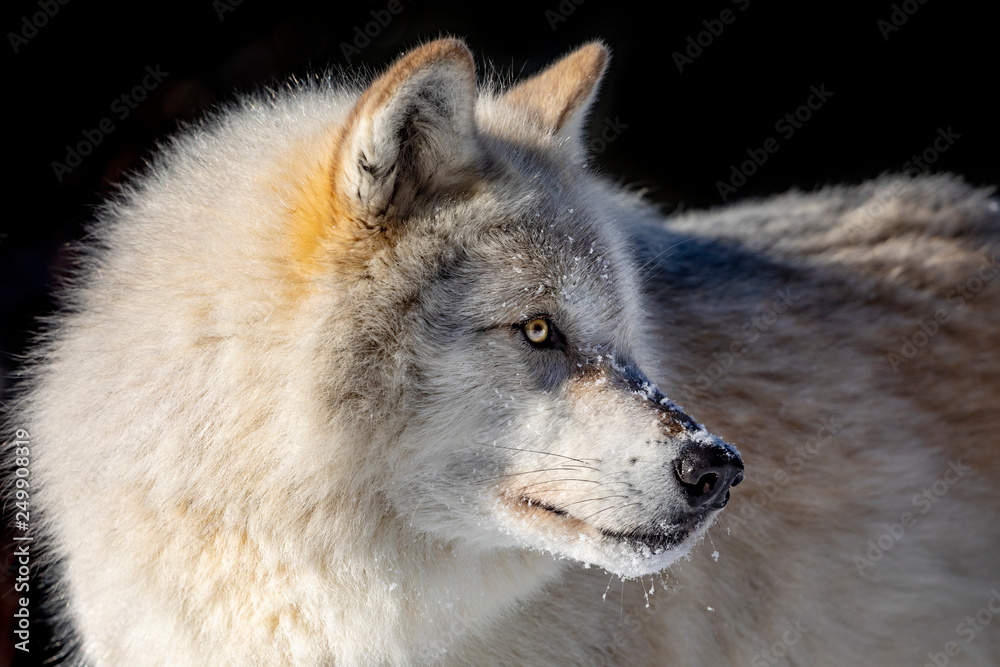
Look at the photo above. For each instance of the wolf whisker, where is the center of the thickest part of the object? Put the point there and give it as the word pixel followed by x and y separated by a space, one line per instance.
pixel 564 479
pixel 509 475
pixel 655 258
pixel 535 451
pixel 589 500
pixel 613 507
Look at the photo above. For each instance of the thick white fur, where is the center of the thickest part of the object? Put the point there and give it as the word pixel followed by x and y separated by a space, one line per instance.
pixel 245 461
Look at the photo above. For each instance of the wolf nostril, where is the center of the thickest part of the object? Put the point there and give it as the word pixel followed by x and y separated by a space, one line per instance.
pixel 707 471
pixel 707 483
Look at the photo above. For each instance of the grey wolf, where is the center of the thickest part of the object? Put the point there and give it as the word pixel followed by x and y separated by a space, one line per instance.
pixel 380 375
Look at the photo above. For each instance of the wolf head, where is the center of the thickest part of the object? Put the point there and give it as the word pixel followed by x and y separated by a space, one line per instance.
pixel 486 332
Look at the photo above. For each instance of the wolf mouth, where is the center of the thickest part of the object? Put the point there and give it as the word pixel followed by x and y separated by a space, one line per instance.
pixel 655 541
pixel 531 502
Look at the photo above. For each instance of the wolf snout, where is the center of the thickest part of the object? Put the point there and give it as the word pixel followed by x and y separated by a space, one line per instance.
pixel 706 470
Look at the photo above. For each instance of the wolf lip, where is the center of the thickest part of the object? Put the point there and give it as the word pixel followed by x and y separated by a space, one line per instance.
pixel 531 502
pixel 652 539
pixel 649 539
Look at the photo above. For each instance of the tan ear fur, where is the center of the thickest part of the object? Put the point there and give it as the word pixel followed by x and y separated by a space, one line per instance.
pixel 559 96
pixel 412 130
pixel 410 134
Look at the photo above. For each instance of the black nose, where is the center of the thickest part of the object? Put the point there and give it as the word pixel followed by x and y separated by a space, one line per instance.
pixel 707 470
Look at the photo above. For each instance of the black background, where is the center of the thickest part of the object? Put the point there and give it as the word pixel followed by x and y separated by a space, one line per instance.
pixel 680 132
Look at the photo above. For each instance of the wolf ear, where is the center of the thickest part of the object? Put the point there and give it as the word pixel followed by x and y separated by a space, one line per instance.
pixel 412 131
pixel 558 97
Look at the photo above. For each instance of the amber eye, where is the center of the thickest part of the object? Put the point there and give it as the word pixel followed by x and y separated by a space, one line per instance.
pixel 537 331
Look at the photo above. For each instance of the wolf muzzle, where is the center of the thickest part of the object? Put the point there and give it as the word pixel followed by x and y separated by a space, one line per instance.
pixel 707 466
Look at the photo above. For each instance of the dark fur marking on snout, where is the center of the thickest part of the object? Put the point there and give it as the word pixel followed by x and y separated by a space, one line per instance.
pixel 627 375
pixel 630 381
pixel 675 420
